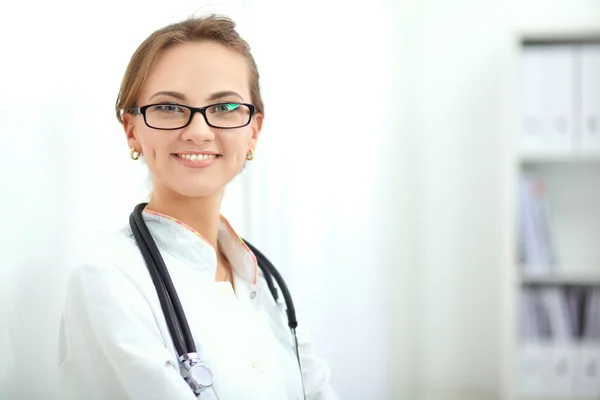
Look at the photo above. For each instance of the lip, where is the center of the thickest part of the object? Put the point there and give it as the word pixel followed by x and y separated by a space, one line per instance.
pixel 208 153
pixel 197 163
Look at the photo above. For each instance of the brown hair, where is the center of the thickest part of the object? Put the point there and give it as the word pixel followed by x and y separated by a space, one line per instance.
pixel 216 28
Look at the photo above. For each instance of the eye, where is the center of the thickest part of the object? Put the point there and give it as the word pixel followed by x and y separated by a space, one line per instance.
pixel 224 108
pixel 169 108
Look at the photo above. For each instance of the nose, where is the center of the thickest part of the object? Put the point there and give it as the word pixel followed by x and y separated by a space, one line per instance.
pixel 198 131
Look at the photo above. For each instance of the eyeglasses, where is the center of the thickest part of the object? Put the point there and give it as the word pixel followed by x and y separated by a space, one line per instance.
pixel 170 116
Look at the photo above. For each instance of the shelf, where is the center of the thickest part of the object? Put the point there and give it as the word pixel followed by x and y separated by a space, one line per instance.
pixel 559 159
pixel 591 397
pixel 558 36
pixel 571 39
pixel 562 280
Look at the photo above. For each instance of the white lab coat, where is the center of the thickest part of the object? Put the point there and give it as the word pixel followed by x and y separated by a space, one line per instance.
pixel 115 343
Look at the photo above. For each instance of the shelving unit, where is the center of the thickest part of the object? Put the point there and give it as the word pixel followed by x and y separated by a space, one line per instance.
pixel 555 240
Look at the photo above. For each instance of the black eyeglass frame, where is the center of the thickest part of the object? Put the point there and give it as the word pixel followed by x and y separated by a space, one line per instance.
pixel 194 110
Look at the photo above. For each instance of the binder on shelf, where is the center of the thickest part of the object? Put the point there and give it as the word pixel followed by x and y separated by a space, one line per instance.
pixel 563 370
pixel 590 99
pixel 533 370
pixel 547 349
pixel 591 325
pixel 535 237
pixel 554 300
pixel 547 100
pixel 564 350
pixel 576 302
pixel 589 368
pixel 559 350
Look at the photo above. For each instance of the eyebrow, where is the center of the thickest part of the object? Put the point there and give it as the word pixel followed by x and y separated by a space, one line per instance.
pixel 225 93
pixel 177 95
pixel 213 96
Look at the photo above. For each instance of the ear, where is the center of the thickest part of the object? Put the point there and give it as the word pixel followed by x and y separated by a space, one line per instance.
pixel 129 126
pixel 257 122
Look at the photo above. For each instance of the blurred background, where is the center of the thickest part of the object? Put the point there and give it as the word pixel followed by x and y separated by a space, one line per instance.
pixel 439 230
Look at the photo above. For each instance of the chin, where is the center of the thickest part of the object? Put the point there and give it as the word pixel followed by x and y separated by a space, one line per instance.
pixel 205 185
pixel 199 186
pixel 197 190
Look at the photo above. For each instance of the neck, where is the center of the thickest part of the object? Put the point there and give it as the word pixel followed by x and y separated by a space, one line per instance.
pixel 200 213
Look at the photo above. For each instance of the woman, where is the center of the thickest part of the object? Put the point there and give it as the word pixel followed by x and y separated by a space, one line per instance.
pixel 115 341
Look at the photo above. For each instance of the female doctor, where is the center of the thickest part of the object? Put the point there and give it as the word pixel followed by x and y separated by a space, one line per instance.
pixel 190 105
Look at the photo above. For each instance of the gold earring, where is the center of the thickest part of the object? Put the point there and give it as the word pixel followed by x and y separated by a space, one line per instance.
pixel 134 154
pixel 250 155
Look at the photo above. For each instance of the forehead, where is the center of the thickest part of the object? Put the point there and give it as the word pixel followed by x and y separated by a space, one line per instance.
pixel 197 70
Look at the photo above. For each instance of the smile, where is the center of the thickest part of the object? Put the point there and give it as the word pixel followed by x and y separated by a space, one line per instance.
pixel 197 157
pixel 196 160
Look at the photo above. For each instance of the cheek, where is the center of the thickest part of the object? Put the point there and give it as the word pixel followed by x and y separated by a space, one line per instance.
pixel 155 147
pixel 235 148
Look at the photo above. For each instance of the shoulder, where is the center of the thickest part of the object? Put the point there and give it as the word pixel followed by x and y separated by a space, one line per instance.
pixel 114 249
pixel 114 259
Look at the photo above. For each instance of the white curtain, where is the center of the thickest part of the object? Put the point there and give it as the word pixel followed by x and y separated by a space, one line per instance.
pixel 313 199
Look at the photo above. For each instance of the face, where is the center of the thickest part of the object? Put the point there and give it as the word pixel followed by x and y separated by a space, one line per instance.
pixel 197 160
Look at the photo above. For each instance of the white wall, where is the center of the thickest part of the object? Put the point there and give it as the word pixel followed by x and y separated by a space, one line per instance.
pixel 458 176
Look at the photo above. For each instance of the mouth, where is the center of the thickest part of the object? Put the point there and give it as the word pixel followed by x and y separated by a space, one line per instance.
pixel 197 157
pixel 196 160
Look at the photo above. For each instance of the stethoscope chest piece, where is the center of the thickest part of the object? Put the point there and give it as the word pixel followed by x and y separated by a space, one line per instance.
pixel 198 375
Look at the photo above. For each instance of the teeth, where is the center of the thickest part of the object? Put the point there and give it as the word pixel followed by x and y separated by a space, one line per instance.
pixel 197 157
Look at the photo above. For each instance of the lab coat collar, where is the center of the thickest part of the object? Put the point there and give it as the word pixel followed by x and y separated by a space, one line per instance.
pixel 185 243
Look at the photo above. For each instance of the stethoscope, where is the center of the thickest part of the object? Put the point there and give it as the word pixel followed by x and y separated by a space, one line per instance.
pixel 197 374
